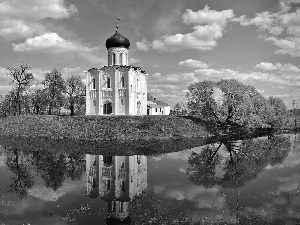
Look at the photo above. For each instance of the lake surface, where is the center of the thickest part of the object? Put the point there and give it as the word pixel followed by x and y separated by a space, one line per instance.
pixel 253 181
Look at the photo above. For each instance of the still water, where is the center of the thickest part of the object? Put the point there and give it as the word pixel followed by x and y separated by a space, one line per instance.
pixel 253 181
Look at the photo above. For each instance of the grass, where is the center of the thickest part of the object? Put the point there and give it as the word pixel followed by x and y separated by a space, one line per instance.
pixel 103 134
pixel 102 127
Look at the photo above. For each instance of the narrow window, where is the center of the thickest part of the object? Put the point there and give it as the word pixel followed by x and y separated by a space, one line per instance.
pixel 130 88
pixel 93 84
pixel 114 206
pixel 122 101
pixel 122 81
pixel 121 210
pixel 94 182
pixel 114 59
pixel 155 109
pixel 108 184
pixel 108 83
pixel 123 186
pixel 121 59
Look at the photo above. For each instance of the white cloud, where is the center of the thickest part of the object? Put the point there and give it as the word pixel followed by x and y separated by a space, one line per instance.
pixel 12 29
pixel 133 60
pixel 53 43
pixel 278 66
pixel 37 9
pixel 208 26
pixel 265 66
pixel 287 18
pixel 193 64
pixel 46 194
pixel 143 45
pixel 205 198
pixel 286 46
pixel 50 42
pixel 207 16
pixel 23 19
pixel 202 38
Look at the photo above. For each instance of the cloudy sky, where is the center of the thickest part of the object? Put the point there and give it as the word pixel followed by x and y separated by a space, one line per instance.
pixel 177 42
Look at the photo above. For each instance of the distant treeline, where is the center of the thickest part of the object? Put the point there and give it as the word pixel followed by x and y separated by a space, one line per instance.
pixel 54 95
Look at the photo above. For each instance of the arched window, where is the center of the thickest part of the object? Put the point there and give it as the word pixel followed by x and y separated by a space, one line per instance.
pixel 107 108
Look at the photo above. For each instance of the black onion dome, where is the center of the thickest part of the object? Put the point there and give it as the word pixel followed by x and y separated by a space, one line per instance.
pixel 117 40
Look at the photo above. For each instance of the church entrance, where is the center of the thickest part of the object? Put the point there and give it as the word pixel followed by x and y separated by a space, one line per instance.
pixel 107 108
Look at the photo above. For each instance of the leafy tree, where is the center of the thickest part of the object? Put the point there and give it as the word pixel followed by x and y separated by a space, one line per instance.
pixel 277 111
pixel 75 93
pixel 54 88
pixel 7 106
pixel 21 78
pixel 36 96
pixel 179 109
pixel 227 102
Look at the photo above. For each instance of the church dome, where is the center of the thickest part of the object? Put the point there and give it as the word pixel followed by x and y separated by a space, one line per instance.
pixel 117 40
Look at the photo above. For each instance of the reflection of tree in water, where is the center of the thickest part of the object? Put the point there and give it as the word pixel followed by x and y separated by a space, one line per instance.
pixel 246 160
pixel 52 167
pixel 55 168
pixel 21 179
pixel 296 143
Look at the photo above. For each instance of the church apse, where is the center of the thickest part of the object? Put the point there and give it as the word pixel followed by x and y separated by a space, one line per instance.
pixel 118 180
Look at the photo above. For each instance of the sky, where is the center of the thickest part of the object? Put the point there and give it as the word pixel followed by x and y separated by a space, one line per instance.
pixel 177 42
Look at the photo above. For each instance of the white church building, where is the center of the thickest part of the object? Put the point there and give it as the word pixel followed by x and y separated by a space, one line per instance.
pixel 118 88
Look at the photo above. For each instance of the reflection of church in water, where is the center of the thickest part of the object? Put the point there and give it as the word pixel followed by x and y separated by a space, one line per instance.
pixel 118 180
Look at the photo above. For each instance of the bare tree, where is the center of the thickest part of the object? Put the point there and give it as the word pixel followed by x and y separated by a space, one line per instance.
pixel 21 78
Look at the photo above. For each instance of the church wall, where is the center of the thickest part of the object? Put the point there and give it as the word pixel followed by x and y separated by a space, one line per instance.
pixel 92 92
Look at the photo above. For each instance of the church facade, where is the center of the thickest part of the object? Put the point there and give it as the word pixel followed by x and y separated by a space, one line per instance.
pixel 118 88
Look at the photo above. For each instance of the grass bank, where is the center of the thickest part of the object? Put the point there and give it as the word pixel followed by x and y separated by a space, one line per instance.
pixel 102 128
